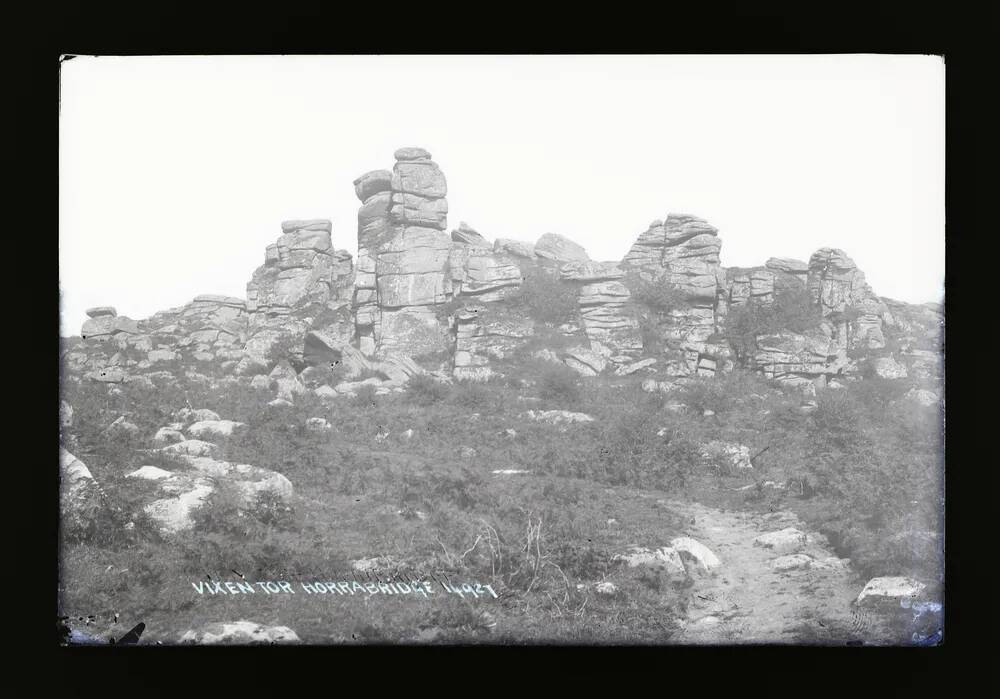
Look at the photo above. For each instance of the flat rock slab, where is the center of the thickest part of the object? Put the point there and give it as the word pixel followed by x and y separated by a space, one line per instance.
pixel 788 540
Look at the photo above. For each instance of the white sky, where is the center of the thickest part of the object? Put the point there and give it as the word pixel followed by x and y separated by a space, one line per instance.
pixel 176 172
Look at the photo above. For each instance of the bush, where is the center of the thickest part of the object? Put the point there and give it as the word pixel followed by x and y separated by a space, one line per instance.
pixel 558 382
pixel 424 389
pixel 545 298
pixel 656 293
pixel 791 310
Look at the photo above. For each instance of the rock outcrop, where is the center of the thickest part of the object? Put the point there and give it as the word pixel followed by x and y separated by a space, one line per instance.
pixel 469 236
pixel 682 253
pixel 304 284
pixel 561 249
pixel 456 302
pixel 846 299
pixel 605 310
pixel 401 230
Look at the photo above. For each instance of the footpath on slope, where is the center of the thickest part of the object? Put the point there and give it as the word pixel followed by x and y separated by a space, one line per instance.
pixel 748 599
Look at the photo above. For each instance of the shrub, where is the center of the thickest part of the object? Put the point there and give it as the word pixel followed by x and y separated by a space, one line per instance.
pixel 791 310
pixel 424 389
pixel 544 297
pixel 656 293
pixel 638 451
pixel 558 382
pixel 473 394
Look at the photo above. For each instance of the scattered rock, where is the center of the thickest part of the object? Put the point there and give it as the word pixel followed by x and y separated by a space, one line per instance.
pixel 923 397
pixel 606 588
pixel 150 473
pixel 122 426
pixel 556 417
pixel 889 368
pixel 665 558
pixel 794 561
pixel 698 552
pixel 787 540
pixel 188 415
pixel 890 588
pixel 168 435
pixel 80 498
pixel 318 424
pixel 191 447
pixel 733 456
pixel 240 633
pixel 65 415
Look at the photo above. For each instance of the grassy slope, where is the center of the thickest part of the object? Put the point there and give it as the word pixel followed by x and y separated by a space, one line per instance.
pixel 422 503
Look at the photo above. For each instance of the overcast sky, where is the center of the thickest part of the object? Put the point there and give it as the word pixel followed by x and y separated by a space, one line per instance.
pixel 176 172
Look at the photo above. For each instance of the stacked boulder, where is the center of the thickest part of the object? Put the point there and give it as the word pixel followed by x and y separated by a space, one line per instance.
pixel 605 312
pixel 303 284
pixel 846 299
pixel 683 252
pixel 374 189
pixel 105 324
pixel 402 230
pixel 210 327
pixel 480 274
pixel 485 328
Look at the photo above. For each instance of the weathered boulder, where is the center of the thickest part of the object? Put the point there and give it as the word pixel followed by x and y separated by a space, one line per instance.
pixel 111 374
pixel 557 417
pixel 888 368
pixel 799 359
pixel 558 248
pixel 584 361
pixel 695 551
pixel 605 311
pixel 517 248
pixel 304 284
pixel 795 561
pixel 728 455
pixel 215 428
pixel 65 415
pixel 286 381
pixel 922 397
pixel 107 327
pixel 665 558
pixel 480 274
pixel 468 235
pixel 486 332
pixel 181 494
pixel 891 588
pixel 682 253
pixel 839 288
pixel 788 540
pixel 80 497
pixel 99 311
pixel 239 633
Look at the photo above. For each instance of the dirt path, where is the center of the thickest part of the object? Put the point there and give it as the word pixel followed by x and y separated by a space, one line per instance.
pixel 746 600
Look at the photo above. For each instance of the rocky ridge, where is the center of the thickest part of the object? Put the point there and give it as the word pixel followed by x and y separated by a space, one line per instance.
pixel 420 298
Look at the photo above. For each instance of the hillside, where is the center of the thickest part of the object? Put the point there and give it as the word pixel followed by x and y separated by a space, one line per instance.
pixel 658 449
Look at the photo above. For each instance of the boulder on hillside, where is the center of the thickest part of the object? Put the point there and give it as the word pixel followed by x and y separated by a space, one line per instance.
pixel 558 248
pixel 80 498
pixel 239 633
